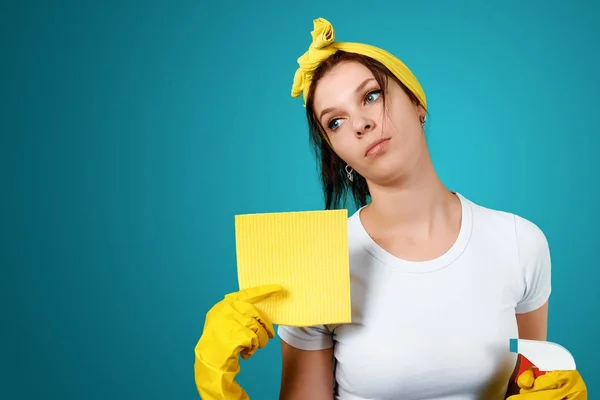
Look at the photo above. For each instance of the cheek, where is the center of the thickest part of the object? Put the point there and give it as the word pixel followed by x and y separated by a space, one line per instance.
pixel 346 147
pixel 405 129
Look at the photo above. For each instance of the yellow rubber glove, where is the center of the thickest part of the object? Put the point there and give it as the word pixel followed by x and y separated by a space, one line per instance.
pixel 233 327
pixel 552 385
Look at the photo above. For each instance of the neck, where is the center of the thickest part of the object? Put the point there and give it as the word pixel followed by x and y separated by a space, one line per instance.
pixel 415 204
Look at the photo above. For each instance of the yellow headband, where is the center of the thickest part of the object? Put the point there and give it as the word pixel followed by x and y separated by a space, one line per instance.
pixel 324 45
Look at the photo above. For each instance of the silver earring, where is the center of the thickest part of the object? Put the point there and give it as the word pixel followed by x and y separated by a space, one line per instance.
pixel 423 123
pixel 349 172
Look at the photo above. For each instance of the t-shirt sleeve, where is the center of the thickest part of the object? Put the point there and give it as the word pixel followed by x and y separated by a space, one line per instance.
pixel 534 258
pixel 310 338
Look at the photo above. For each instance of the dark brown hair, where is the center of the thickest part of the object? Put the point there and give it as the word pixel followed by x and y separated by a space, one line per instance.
pixel 335 184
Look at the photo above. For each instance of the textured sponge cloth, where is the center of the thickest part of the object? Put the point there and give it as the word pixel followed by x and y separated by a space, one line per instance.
pixel 306 253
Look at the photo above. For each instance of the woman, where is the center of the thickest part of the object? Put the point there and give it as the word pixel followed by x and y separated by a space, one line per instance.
pixel 439 283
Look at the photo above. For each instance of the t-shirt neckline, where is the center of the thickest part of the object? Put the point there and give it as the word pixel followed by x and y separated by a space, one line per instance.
pixel 435 264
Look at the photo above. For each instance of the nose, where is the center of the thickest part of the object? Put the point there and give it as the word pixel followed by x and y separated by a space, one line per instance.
pixel 363 124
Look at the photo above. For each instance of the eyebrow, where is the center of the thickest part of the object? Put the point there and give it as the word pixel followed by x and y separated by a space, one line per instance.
pixel 358 89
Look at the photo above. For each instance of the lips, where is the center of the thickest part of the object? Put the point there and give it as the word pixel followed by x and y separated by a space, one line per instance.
pixel 374 144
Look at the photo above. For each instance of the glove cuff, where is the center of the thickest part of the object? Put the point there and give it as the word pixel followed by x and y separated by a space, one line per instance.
pixel 215 384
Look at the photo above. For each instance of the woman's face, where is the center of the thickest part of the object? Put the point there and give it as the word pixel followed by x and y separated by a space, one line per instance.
pixel 381 146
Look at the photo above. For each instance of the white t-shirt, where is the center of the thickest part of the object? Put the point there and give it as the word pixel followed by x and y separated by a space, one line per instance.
pixel 440 329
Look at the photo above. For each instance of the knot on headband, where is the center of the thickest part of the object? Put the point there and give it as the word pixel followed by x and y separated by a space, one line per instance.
pixel 323 46
pixel 323 36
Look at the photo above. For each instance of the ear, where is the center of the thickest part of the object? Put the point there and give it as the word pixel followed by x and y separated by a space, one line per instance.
pixel 421 112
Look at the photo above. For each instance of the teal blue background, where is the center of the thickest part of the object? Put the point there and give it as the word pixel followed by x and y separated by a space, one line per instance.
pixel 133 132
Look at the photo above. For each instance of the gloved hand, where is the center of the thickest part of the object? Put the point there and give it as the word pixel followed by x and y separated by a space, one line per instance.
pixel 233 327
pixel 551 385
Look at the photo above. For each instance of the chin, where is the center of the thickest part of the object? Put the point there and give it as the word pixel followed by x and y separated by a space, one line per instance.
pixel 385 172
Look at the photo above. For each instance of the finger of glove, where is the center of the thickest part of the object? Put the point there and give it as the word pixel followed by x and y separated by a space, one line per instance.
pixel 539 395
pixel 255 294
pixel 526 379
pixel 256 319
pixel 220 345
pixel 230 323
pixel 256 337
pixel 564 385
pixel 553 380
pixel 550 383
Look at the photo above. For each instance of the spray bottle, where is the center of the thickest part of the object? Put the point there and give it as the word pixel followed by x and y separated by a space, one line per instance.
pixel 541 357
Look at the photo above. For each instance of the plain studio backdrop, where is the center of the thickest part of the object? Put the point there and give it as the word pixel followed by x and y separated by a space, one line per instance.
pixel 132 132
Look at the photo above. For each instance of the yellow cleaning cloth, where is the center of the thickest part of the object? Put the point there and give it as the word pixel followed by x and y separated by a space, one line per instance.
pixel 306 253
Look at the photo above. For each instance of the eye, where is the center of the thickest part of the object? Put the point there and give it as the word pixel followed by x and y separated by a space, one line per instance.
pixel 372 96
pixel 334 124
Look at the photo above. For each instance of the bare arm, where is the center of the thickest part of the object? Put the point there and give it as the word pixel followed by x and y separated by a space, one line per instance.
pixel 306 374
pixel 534 325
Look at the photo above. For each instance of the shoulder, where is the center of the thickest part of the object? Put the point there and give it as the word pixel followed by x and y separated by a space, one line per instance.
pixel 526 234
pixel 534 259
pixel 530 248
pixel 530 238
pixel 533 250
